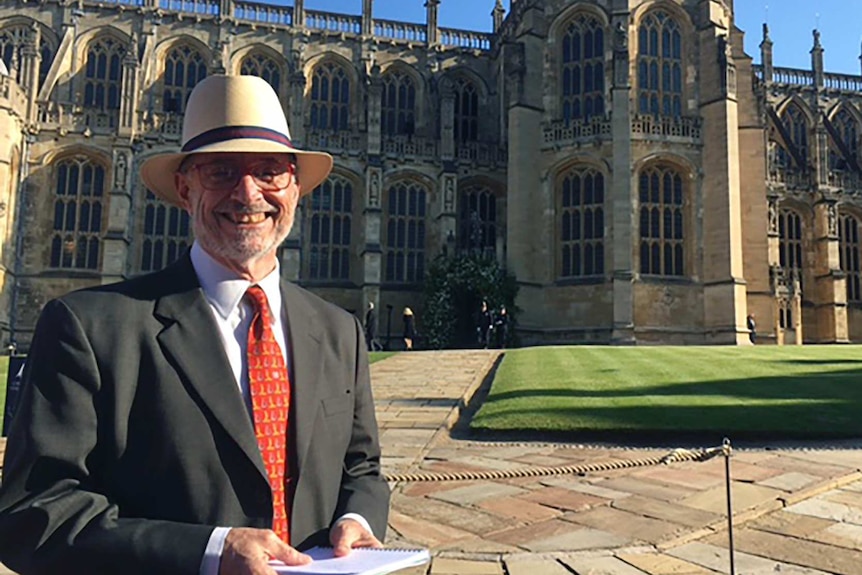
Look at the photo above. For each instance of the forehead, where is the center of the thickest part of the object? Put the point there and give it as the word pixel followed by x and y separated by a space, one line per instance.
pixel 241 157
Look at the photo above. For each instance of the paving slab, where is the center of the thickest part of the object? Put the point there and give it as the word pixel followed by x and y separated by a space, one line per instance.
pixel 821 507
pixel 536 567
pixel 658 509
pixel 577 540
pixel 627 525
pixel 718 559
pixel 743 496
pixel 811 554
pixel 446 566
pixel 662 564
pixel 790 481
pixel 600 566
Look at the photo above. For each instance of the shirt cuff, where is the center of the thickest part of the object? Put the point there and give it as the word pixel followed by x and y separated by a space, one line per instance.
pixel 212 554
pixel 356 517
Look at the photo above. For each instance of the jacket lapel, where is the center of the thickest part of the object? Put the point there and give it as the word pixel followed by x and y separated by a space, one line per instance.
pixel 304 340
pixel 190 341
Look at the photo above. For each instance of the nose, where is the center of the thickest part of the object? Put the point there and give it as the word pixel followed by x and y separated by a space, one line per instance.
pixel 246 189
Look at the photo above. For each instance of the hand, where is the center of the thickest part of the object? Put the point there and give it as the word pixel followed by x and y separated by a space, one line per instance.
pixel 348 534
pixel 248 551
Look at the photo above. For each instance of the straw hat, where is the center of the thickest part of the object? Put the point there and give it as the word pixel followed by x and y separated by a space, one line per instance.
pixel 233 114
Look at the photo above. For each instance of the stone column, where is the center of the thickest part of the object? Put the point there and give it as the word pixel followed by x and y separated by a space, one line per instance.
pixel 447 219
pixel 30 60
pixel 725 301
pixel 447 124
pixel 372 252
pixel 766 55
pixel 116 257
pixel 375 103
pixel 622 204
pixel 433 32
pixel 129 90
pixel 298 13
pixel 367 17
pixel 296 87
pixel 830 284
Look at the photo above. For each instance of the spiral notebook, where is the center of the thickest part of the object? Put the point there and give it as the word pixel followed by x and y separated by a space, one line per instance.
pixel 359 562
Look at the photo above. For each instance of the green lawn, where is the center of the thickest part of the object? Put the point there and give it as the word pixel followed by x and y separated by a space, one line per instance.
pixel 375 356
pixel 764 391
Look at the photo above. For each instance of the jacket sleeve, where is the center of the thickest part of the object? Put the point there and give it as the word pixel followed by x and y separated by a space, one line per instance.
pixel 55 515
pixel 363 489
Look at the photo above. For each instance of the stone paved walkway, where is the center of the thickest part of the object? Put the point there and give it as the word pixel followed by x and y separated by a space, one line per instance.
pixel 797 510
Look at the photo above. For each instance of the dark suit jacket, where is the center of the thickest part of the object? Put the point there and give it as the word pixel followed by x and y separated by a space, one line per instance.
pixel 132 440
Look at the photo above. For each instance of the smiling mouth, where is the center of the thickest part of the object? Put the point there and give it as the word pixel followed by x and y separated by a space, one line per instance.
pixel 255 218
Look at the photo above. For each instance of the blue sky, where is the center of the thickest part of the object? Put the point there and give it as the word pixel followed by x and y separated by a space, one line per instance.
pixel 790 24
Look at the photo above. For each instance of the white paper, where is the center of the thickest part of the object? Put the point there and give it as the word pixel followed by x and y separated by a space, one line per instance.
pixel 359 562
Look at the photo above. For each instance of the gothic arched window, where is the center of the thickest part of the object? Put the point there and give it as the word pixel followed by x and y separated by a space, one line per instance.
pixel 184 68
pixel 466 111
pixel 796 127
pixel 662 233
pixel 12 42
pixel 583 69
pixel 262 66
pixel 103 74
pixel 404 243
pixel 790 243
pixel 328 226
pixel 660 65
pixel 851 253
pixel 78 214
pixel 477 219
pixel 847 132
pixel 167 234
pixel 330 98
pixel 581 213
pixel 398 104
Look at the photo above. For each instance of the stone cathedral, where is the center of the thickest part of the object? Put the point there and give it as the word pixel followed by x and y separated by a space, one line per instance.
pixel 626 160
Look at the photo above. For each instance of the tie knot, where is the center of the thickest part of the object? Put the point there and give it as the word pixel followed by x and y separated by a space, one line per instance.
pixel 258 300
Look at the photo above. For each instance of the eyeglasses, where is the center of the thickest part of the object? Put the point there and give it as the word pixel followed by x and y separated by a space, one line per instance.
pixel 224 175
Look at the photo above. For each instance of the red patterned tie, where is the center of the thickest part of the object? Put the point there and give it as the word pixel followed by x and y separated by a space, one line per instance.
pixel 269 385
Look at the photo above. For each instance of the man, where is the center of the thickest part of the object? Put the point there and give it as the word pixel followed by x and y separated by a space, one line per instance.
pixel 371 328
pixel 751 324
pixel 199 419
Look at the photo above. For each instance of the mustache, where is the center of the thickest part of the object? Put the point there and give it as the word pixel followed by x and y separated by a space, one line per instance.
pixel 243 209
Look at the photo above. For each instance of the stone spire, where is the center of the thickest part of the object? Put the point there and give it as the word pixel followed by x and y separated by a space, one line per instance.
pixel 498 13
pixel 766 54
pixel 367 17
pixel 298 13
pixel 431 9
pixel 817 59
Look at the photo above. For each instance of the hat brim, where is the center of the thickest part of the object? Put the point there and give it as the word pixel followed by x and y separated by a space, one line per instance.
pixel 158 171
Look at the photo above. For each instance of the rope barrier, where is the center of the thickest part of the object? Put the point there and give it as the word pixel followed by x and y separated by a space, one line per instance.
pixel 677 455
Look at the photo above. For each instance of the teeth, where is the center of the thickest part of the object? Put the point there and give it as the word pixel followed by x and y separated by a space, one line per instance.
pixel 249 218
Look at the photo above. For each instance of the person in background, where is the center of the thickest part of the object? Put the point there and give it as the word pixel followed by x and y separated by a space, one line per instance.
pixel 752 328
pixel 485 325
pixel 211 416
pixel 501 327
pixel 409 328
pixel 371 328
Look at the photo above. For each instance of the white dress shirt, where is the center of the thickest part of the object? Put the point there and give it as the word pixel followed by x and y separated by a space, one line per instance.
pixel 233 314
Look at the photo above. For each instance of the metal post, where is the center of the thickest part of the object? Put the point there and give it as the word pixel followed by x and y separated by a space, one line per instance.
pixel 727 451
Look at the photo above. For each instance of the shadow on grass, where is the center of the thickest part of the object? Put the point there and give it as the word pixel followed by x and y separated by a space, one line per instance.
pixel 832 410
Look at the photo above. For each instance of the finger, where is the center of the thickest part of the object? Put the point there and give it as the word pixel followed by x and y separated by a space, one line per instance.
pixel 288 555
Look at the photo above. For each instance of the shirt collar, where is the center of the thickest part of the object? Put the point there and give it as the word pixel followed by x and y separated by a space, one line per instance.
pixel 224 290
